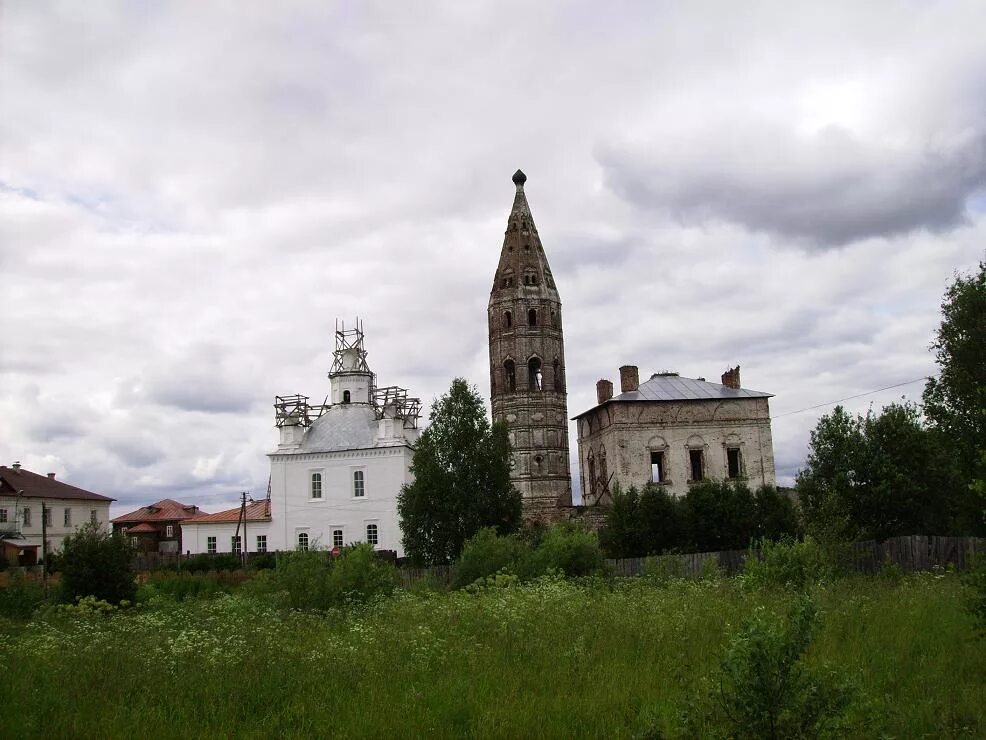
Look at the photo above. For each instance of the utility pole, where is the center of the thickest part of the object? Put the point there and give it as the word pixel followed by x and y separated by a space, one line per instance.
pixel 245 540
pixel 44 547
pixel 239 520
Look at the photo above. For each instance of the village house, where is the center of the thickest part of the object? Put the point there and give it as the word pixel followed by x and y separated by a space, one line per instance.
pixel 338 467
pixel 156 527
pixel 227 531
pixel 34 507
pixel 674 431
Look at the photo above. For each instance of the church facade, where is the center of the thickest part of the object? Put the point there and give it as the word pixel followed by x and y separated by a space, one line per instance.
pixel 527 365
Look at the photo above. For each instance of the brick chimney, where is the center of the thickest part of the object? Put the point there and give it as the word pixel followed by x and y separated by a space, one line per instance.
pixel 51 475
pixel 604 391
pixel 629 378
pixel 731 378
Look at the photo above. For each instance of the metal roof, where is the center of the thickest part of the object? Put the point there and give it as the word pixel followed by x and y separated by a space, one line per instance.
pixel 678 388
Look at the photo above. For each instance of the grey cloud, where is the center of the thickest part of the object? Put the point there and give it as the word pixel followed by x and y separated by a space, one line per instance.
pixel 827 190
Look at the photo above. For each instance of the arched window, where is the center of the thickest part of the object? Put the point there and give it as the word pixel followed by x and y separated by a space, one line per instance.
pixel 302 540
pixel 534 379
pixel 537 464
pixel 359 489
pixel 557 374
pixel 510 375
pixel 345 396
pixel 508 319
pixel 316 485
pixel 592 474
pixel 372 534
pixel 603 473
pixel 532 317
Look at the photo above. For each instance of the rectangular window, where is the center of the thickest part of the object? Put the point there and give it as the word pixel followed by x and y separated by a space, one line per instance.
pixel 27 517
pixel 261 543
pixel 135 541
pixel 3 515
pixel 210 545
pixel 695 463
pixel 67 518
pixel 316 485
pixel 93 518
pixel 235 545
pixel 336 538
pixel 169 530
pixel 372 534
pixel 47 515
pixel 657 467
pixel 358 488
pixel 733 467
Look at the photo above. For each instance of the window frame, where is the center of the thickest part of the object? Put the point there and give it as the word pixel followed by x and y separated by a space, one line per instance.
pixel 93 516
pixel 375 540
pixel 236 544
pixel 315 481
pixel 739 463
pixel 692 452
pixel 46 516
pixel 3 516
pixel 261 543
pixel 169 530
pixel 67 517
pixel 338 541
pixel 359 483
pixel 302 541
pixel 26 517
pixel 211 545
pixel 661 464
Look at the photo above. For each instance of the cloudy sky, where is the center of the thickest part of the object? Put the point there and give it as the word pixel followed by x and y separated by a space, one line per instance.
pixel 192 192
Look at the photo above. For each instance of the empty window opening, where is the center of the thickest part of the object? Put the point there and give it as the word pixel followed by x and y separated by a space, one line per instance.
pixel 695 463
pixel 511 375
pixel 372 534
pixel 592 474
pixel 358 488
pixel 733 467
pixel 558 374
pixel 657 467
pixel 538 460
pixel 302 540
pixel 532 317
pixel 316 485
pixel 346 396
pixel 534 377
pixel 508 319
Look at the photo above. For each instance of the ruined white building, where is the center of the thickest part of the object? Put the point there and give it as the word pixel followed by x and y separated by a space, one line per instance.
pixel 674 431
pixel 338 467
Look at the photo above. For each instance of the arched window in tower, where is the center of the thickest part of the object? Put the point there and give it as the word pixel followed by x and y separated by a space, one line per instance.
pixel 592 474
pixel 536 466
pixel 557 374
pixel 603 473
pixel 510 376
pixel 532 317
pixel 508 278
pixel 534 378
pixel 554 320
pixel 345 396
pixel 508 319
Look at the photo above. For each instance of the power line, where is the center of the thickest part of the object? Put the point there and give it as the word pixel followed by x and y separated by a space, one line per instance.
pixel 849 398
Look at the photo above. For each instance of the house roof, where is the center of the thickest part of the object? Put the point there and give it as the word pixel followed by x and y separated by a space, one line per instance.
pixel 17 542
pixel 661 388
pixel 165 510
pixel 257 511
pixel 142 528
pixel 15 480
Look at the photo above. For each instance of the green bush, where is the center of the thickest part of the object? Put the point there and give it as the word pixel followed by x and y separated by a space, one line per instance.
pixel 185 587
pixel 20 597
pixel 786 564
pixel 312 579
pixel 975 581
pixel 487 553
pixel 571 550
pixel 97 563
pixel 767 691
pixel 203 563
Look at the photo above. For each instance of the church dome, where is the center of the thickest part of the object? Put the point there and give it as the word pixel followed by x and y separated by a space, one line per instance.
pixel 343 427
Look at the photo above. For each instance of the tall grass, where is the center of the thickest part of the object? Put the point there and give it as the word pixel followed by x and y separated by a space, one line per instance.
pixel 551 658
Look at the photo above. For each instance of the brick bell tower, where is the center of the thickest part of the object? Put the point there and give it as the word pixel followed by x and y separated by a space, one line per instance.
pixel 527 365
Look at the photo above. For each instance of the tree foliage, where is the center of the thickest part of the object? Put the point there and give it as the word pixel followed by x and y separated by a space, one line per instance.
pixel 461 480
pixel 96 563
pixel 955 401
pixel 712 516
pixel 878 476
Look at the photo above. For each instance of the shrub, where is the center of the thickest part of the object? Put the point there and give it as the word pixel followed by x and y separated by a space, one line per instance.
pixel 205 562
pixel 786 564
pixel 570 549
pixel 188 587
pixel 358 575
pixel 767 691
pixel 97 563
pixel 776 515
pixel 20 597
pixel 718 515
pixel 487 553
pixel 975 581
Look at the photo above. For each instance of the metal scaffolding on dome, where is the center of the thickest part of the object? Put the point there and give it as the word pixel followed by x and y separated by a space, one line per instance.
pixel 296 411
pixel 350 353
pixel 393 402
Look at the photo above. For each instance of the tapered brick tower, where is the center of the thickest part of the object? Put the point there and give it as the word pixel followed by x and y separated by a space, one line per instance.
pixel 527 365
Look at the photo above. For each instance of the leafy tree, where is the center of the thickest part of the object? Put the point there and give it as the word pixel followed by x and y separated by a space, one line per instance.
pixel 96 563
pixel 622 536
pixel 461 480
pixel 660 520
pixel 775 514
pixel 877 476
pixel 955 401
pixel 718 515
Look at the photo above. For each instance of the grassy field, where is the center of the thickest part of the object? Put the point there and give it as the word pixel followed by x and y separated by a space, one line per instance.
pixel 552 658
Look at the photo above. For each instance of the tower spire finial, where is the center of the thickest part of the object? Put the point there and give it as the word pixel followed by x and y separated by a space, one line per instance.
pixel 519 179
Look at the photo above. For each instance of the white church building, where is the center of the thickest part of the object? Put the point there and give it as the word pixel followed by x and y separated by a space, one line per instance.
pixel 338 467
